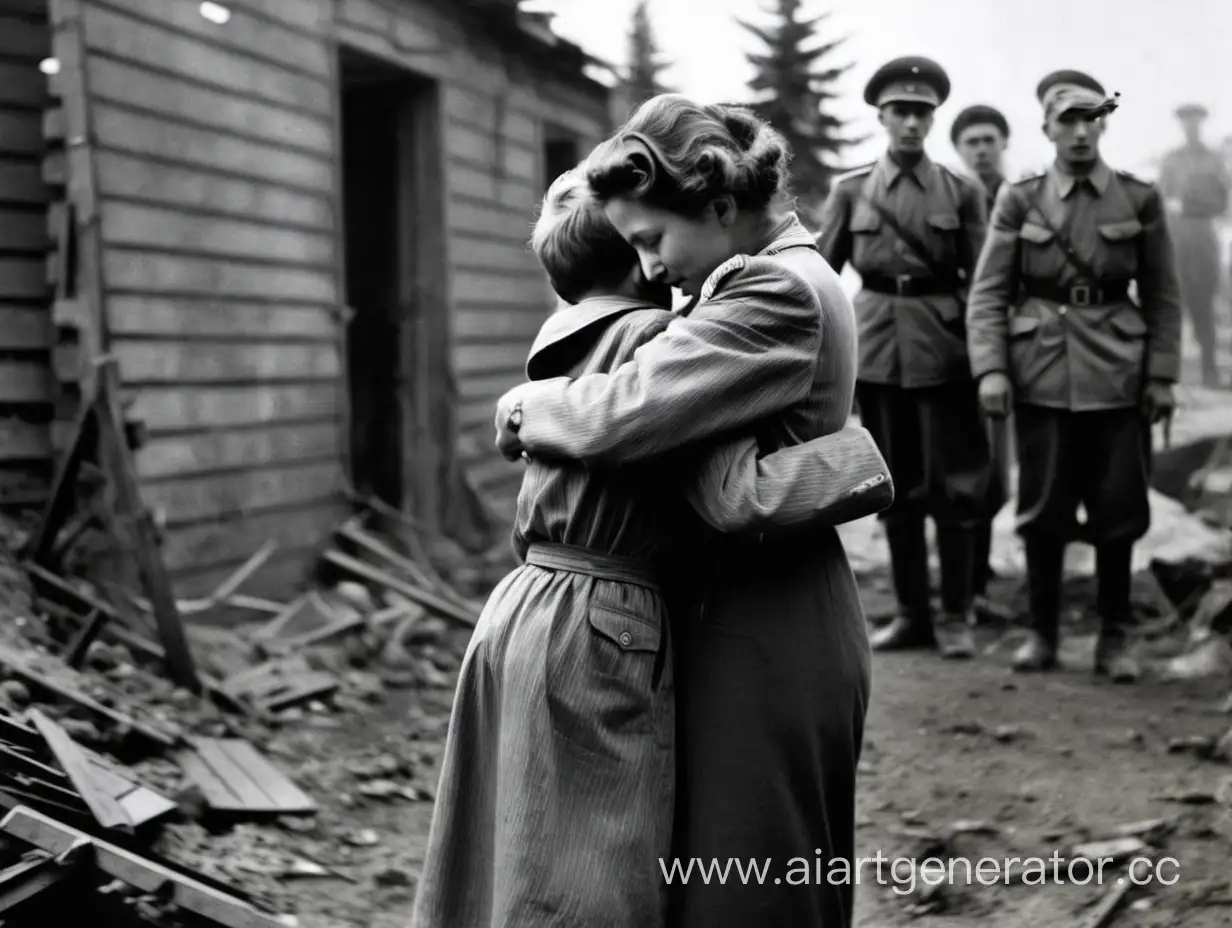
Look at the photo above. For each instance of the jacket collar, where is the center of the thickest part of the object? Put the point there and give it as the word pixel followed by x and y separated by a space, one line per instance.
pixel 569 322
pixel 790 233
pixel 1099 178
pixel 892 170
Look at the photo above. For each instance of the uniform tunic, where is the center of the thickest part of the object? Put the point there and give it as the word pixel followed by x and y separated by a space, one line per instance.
pixel 556 792
pixel 1073 345
pixel 774 664
pixel 915 393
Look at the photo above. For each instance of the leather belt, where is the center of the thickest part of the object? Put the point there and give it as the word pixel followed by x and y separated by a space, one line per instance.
pixel 907 285
pixel 1110 291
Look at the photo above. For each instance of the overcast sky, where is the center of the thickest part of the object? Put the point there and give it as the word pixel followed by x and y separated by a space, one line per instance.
pixel 1157 53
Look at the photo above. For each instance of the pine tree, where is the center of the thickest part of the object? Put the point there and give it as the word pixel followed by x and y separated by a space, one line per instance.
pixel 645 63
pixel 793 86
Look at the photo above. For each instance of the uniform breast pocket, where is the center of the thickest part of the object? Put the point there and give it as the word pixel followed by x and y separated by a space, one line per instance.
pixel 1039 256
pixel 1120 242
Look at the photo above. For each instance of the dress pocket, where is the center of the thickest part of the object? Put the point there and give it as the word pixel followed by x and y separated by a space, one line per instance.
pixel 603 679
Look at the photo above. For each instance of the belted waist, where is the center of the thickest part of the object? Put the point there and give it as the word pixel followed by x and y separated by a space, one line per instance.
pixel 579 560
pixel 909 285
pixel 1107 291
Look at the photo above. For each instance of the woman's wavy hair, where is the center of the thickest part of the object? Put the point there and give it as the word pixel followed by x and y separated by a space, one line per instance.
pixel 678 155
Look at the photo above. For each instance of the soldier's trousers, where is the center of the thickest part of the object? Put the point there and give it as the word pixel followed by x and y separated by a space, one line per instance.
pixel 1197 258
pixel 1099 459
pixel 936 447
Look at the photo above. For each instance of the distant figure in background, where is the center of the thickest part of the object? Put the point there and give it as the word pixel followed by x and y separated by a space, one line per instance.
pixel 1194 181
pixel 1055 336
pixel 913 230
pixel 980 135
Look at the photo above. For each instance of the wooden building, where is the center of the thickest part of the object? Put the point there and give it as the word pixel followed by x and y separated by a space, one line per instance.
pixel 301 227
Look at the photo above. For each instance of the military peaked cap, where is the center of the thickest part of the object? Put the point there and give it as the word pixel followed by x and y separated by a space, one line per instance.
pixel 908 80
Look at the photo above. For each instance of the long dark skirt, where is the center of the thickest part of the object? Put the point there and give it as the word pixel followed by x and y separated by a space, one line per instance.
pixel 555 798
pixel 773 684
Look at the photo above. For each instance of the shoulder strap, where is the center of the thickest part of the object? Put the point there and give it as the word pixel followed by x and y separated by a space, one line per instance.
pixel 918 248
pixel 1063 242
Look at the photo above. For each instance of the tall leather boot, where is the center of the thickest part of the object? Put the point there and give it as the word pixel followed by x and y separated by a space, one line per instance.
pixel 1113 654
pixel 1045 559
pixel 913 626
pixel 956 547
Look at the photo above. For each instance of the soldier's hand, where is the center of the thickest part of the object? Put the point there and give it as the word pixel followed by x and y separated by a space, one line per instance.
pixel 996 395
pixel 1158 401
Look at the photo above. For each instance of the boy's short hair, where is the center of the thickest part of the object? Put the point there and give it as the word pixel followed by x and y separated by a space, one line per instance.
pixel 574 241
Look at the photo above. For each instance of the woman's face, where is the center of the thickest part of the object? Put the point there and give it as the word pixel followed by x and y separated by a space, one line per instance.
pixel 674 249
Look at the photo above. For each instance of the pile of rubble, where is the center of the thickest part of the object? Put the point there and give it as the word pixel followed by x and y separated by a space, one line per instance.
pixel 133 775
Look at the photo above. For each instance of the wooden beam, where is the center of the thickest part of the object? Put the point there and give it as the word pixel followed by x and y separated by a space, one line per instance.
pixel 51 836
pixel 106 810
pixel 140 526
pixel 415 594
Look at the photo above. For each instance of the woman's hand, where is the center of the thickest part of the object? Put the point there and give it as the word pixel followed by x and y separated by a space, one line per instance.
pixel 508 422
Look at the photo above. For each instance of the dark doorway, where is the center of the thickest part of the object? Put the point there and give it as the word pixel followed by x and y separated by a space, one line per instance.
pixel 392 221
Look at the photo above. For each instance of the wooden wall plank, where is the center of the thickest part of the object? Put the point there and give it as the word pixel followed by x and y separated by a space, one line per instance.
pixel 201 318
pixel 21 133
pixel 182 409
pixel 23 278
pixel 511 192
pixel 280 578
pixel 308 15
pixel 24 328
pixel 180 455
pixel 121 130
pixel 488 386
pixel 210 543
pixel 21 182
pixel 220 496
pixel 488 324
pixel 173 362
pixel 22 440
pixel 492 112
pixel 23 230
pixel 24 39
pixel 497 289
pixel 508 355
pixel 126 38
pixel 243 32
pixel 145 272
pixel 22 83
pixel 24 382
pixel 155 227
pixel 466 215
pixel 497 254
pixel 128 176
pixel 120 81
pixel 509 158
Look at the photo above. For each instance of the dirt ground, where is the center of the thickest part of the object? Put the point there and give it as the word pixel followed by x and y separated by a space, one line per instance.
pixel 1033 764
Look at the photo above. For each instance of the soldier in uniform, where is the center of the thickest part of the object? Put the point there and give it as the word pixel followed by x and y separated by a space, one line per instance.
pixel 1194 182
pixel 1055 334
pixel 913 230
pixel 980 134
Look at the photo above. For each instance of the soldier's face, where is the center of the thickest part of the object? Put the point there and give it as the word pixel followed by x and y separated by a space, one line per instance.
pixel 675 250
pixel 1192 127
pixel 1076 136
pixel 981 148
pixel 907 125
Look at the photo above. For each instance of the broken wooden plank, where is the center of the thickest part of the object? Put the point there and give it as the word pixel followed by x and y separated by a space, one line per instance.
pixel 410 591
pixel 47 834
pixel 305 614
pixel 30 877
pixel 1105 911
pixel 76 654
pixel 317 685
pixel 233 777
pixel 140 803
pixel 18 666
pixel 141 531
pixel 334 629
pixel 107 811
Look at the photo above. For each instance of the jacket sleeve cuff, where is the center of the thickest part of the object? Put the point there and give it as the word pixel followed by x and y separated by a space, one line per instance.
pixel 1165 367
pixel 989 362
